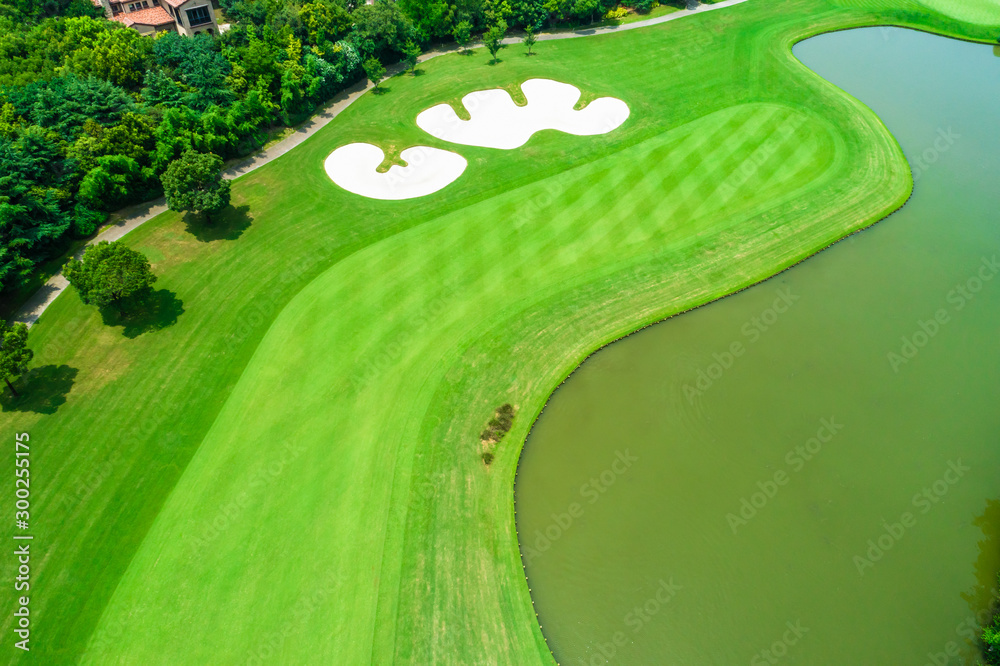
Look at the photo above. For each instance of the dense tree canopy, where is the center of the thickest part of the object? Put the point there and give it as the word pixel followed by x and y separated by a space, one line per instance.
pixel 92 113
pixel 194 182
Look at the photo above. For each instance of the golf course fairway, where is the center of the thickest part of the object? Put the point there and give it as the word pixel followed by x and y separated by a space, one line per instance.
pixel 283 464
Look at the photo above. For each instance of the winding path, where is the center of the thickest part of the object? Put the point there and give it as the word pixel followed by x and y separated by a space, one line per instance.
pixel 137 215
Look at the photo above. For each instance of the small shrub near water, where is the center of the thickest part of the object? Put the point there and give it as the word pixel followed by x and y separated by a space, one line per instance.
pixel 498 426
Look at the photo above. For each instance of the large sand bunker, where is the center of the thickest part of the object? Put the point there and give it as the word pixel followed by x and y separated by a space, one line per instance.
pixel 427 170
pixel 497 122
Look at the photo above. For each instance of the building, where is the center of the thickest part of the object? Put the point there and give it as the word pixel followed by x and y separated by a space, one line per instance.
pixel 188 17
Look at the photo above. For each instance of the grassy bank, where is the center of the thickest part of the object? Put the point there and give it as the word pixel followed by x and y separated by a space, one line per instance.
pixel 284 459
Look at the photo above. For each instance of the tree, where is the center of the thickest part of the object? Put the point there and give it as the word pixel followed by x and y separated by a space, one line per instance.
pixel 194 182
pixel 587 8
pixel 431 18
pixel 115 181
pixel 374 70
pixel 14 352
pixel 380 30
pixel 32 189
pixel 195 63
pixel 109 274
pixel 529 37
pixel 493 38
pixel 410 54
pixel 325 21
pixel 115 55
pixel 462 34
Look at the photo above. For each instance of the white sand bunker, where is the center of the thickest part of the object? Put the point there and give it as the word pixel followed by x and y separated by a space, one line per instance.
pixel 427 170
pixel 496 122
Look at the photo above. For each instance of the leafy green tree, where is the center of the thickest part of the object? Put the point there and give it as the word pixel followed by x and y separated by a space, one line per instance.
pixel 528 12
pixel 195 183
pixel 529 37
pixel 431 18
pixel 182 130
pixel 65 103
pixel 195 63
pixel 558 10
pixel 585 9
pixel 14 352
pixel 380 30
pixel 493 38
pixel 374 70
pixel 118 55
pixel 115 182
pixel 293 81
pixel 134 136
pixel 33 187
pixel 411 52
pixel 462 32
pixel 326 22
pixel 110 274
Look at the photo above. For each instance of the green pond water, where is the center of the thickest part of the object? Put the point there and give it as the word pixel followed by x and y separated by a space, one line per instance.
pixel 818 501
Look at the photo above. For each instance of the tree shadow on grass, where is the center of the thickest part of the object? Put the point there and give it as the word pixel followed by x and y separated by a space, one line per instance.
pixel 381 90
pixel 42 390
pixel 227 225
pixel 158 310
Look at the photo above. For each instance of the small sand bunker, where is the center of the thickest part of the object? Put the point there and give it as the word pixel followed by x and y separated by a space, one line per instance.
pixel 427 170
pixel 496 122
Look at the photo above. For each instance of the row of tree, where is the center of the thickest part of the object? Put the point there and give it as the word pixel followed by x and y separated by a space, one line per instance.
pixel 92 113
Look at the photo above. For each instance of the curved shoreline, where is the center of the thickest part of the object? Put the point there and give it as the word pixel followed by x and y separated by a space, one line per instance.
pixel 494 496
pixel 902 201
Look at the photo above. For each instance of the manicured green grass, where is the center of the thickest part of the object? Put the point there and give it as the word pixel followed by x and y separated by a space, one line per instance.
pixel 985 12
pixel 283 460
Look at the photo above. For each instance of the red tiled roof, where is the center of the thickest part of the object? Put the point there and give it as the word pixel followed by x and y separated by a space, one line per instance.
pixel 176 4
pixel 151 16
